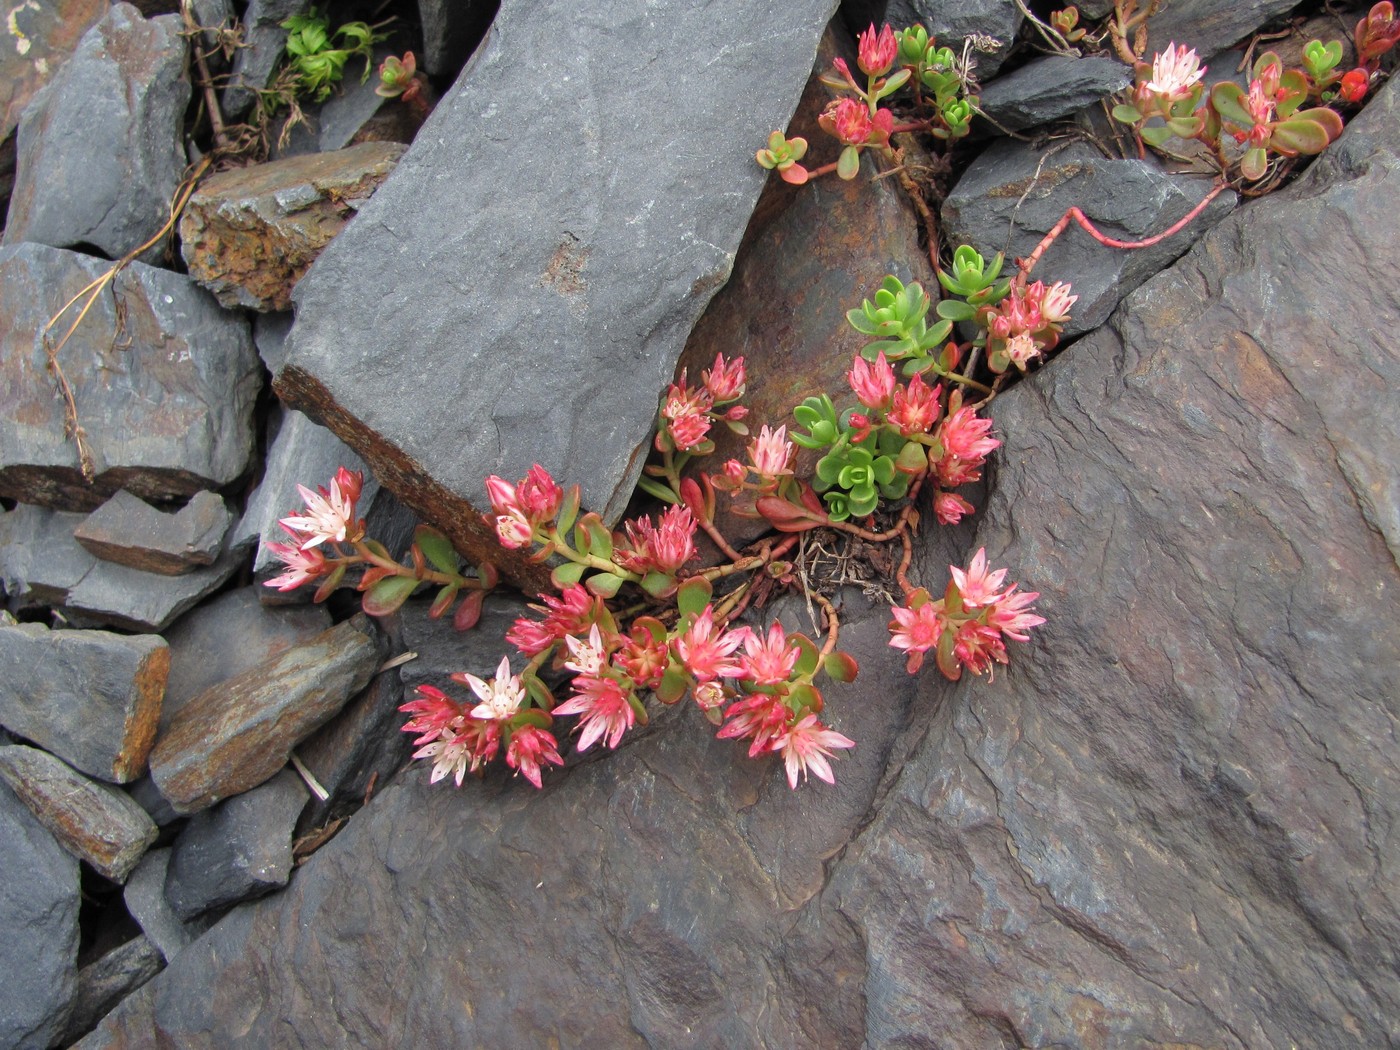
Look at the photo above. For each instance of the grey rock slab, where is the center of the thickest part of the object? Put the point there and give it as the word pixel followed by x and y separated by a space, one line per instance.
pixel 991 24
pixel 270 337
pixel 41 37
pixel 94 822
pixel 41 563
pixel 450 27
pixel 263 42
pixel 90 697
pixel 228 635
pixel 643 899
pixel 1014 193
pixel 1049 88
pixel 105 981
pixel 240 849
pixel 1208 26
pixel 359 749
pixel 164 388
pixel 239 733
pixel 38 930
pixel 611 241
pixel 144 897
pixel 99 146
pixel 128 531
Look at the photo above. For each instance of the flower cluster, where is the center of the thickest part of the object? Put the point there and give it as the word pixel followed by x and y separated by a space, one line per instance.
pixel 687 412
pixel 1026 324
pixel 968 626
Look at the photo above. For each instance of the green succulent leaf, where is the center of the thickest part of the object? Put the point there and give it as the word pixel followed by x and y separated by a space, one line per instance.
pixel 385 596
pixel 436 548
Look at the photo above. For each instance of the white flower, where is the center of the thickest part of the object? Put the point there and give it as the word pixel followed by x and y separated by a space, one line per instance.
pixel 1175 70
pixel 501 697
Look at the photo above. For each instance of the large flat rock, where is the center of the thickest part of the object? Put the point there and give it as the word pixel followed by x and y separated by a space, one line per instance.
pixel 519 289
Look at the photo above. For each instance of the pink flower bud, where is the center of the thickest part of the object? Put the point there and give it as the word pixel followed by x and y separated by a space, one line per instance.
pixel 725 381
pixel 502 495
pixel 539 495
pixel 1354 86
pixel 513 530
pixel 849 120
pixel 876 53
pixel 949 508
pixel 873 383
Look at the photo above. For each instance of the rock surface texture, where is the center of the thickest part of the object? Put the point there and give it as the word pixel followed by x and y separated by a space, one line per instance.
pixel 558 310
pixel 1165 824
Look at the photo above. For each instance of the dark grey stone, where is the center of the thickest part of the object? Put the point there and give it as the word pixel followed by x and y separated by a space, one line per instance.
pixel 128 531
pixel 992 24
pixel 146 795
pixel 231 634
pixel 1049 88
pixel 90 697
pixel 264 41
pixel 144 897
pixel 449 29
pixel 165 388
pixel 94 822
pixel 240 849
pixel 1210 26
pixel 38 930
pixel 359 749
pixel 42 564
pixel 610 243
pixel 1014 194
pixel 99 147
pixel 108 979
pixel 270 337
pixel 43 35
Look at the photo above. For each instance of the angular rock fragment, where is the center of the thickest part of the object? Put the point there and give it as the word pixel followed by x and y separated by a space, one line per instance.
pixel 450 29
pixel 105 981
pixel 38 930
pixel 361 746
pixel 240 849
pixel 231 634
pixel 237 734
pixel 144 897
pixel 262 46
pixel 593 267
pixel 1209 26
pixel 1014 194
pixel 249 234
pixel 164 386
pixel 991 25
pixel 99 146
pixel 128 531
pixel 41 37
pixel 92 821
pixel 1049 88
pixel 42 564
pixel 90 697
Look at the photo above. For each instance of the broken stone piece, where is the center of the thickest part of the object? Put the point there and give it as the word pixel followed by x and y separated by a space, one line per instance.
pixel 239 733
pixel 1051 87
pixel 144 897
pixel 92 821
pixel 90 697
pixel 128 531
pixel 249 234
pixel 42 36
pixel 107 980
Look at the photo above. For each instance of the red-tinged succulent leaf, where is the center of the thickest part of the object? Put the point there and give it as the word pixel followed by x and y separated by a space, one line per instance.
pixel 1127 114
pixel 1308 132
pixel 373 575
pixel 795 174
pixel 848 164
pixel 488 574
pixel 378 549
pixel 646 628
pixel 567 574
pixel 807 653
pixel 693 498
pixel 947 662
pixel 673 685
pixel 841 667
pixel 1254 163
pixel 604 584
pixel 600 541
pixel 385 596
pixel 532 716
pixel 805 697
pixel 443 602
pixel 789 517
pixel 329 584
pixel 1156 135
pixel 420 563
pixel 568 509
pixel 436 548
pixel 953 600
pixel 1228 100
pixel 638 708
pixel 469 612
pixel 693 596
pixel 658 584
pixel 538 691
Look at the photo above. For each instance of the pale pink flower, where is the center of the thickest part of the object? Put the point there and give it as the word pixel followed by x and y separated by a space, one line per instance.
pixel 450 753
pixel 1011 614
pixel 500 697
pixel 949 508
pixel 977 645
pixel 1175 71
pixel 704 649
pixel 806 748
pixel 1055 304
pixel 530 636
pixel 916 630
pixel 709 695
pixel 529 746
pixel 539 495
pixel 302 564
pixel 977 586
pixel 873 383
pixel 433 711
pixel 663 547
pixel 767 659
pixel 876 53
pixel 761 716
pixel 588 657
pixel 330 515
pixel 1022 349
pixel 689 431
pixel 771 452
pixel 915 407
pixel 725 381
pixel 964 435
pixel 605 709
pixel 513 530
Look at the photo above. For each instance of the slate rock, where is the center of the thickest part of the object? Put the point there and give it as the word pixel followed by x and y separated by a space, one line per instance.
pixel 99 146
pixel 263 44
pixel 39 927
pixel 442 650
pixel 90 697
pixel 92 821
pixel 594 267
pixel 451 28
pixel 642 897
pixel 1013 194
pixel 1049 88
pixel 270 331
pixel 228 635
pixel 354 114
pixel 144 897
pixel 248 234
pixel 164 391
pixel 128 531
pixel 240 849
pixel 1208 26
pixel 42 564
pixel 237 734
pixel 41 37
pixel 105 981
pixel 359 749
pixel 992 23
